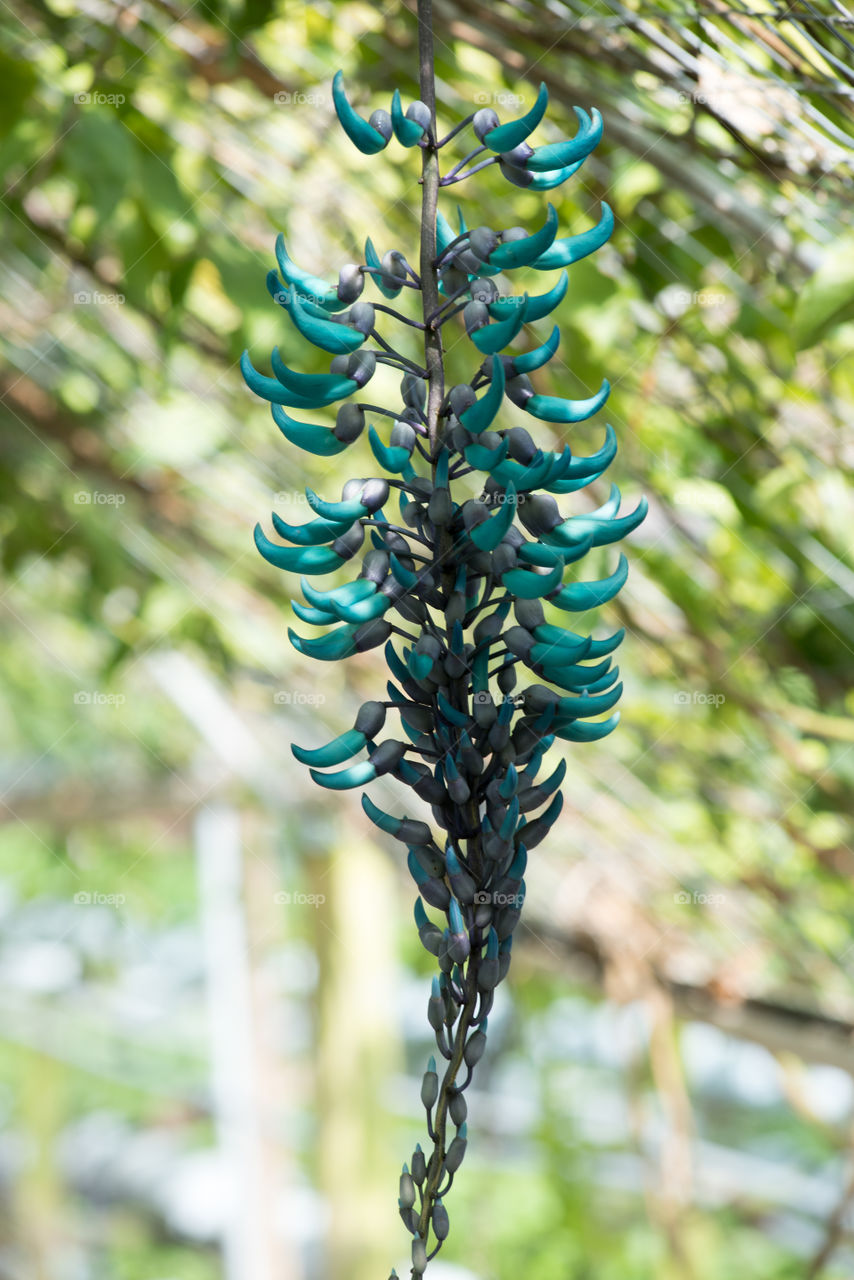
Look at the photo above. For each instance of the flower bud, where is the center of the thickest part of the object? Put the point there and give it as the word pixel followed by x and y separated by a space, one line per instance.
pixel 475 1046
pixel 351 282
pixel 407 1189
pixel 455 1153
pixel 439 1219
pixel 419 1256
pixel 381 121
pixel 436 1018
pixel 457 1108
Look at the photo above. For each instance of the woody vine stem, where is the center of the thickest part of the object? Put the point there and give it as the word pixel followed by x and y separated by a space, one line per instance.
pixel 431 1188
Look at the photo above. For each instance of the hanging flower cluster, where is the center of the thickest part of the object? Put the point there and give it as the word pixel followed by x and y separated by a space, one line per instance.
pixel 466 593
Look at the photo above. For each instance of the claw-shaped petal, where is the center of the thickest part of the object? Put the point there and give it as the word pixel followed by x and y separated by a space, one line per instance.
pixel 305 435
pixel 360 132
pixel 329 648
pixel 407 131
pixel 582 731
pixel 530 360
pixel 579 596
pixel 523 252
pixel 358 775
pixel 311 560
pixel 539 306
pixel 329 335
pixel 478 416
pixel 573 248
pixel 531 586
pixel 557 409
pixel 504 137
pixel 492 338
pixel 335 752
pixel 314 534
pixel 487 536
pixel 308 285
pixel 572 150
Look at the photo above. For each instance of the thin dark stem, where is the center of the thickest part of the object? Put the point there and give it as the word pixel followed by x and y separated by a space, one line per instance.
pixel 449 182
pixel 429 205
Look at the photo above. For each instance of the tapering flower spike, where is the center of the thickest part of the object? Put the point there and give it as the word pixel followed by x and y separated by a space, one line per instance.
pixel 462 593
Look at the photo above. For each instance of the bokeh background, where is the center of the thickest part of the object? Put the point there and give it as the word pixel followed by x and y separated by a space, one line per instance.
pixel 213 999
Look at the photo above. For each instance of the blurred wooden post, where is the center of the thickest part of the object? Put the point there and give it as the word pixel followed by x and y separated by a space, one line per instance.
pixel 358 1051
pixel 250 1248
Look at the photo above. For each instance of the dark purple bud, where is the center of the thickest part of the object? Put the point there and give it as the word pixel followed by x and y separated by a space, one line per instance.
pixel 475 316
pixel 350 542
pixel 484 290
pixel 349 423
pixel 362 316
pixel 370 719
pixel 361 366
pixel 482 240
pixel 519 389
pixel 371 634
pixel 529 613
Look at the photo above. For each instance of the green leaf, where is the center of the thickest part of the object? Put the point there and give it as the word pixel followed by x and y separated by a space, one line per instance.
pixel 828 298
